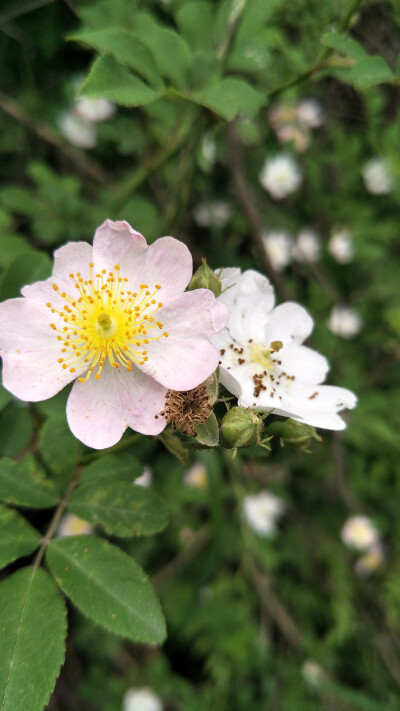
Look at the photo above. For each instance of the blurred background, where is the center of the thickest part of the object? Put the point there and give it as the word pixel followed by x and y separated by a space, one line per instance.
pixel 279 572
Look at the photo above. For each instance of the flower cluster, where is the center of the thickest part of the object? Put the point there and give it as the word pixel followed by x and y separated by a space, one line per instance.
pixel 115 320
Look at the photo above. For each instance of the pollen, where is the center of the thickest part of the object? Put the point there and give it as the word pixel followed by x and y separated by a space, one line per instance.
pixel 102 324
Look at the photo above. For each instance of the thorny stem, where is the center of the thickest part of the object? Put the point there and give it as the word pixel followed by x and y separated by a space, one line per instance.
pixel 56 519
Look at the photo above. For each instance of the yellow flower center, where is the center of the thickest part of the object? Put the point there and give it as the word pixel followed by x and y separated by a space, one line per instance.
pixel 262 355
pixel 103 321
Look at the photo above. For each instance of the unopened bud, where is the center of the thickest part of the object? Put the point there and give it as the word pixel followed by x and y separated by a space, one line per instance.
pixel 204 278
pixel 297 434
pixel 240 427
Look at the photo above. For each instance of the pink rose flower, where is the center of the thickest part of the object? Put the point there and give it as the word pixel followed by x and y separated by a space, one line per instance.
pixel 114 318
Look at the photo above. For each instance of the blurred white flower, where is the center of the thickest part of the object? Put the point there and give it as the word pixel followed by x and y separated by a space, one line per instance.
pixel 344 321
pixel 377 177
pixel 262 511
pixel 145 479
pixel 341 245
pixel 295 134
pixel 280 176
pixel 215 213
pixel 208 149
pixel 196 477
pixel 310 113
pixel 313 673
pixel 307 247
pixel 93 110
pixel 71 525
pixel 281 114
pixel 77 131
pixel 369 562
pixel 278 244
pixel 360 532
pixel 141 700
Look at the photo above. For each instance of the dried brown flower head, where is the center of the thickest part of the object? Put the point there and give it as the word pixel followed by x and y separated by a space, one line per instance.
pixel 186 410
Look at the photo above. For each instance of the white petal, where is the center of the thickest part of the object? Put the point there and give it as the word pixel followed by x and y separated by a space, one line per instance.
pixel 288 322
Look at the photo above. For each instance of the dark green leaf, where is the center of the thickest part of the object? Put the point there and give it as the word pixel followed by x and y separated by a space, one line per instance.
pixel 24 484
pixel 231 97
pixel 194 15
pixel 124 509
pixel 15 429
pixel 126 49
pixel 112 81
pixel 24 269
pixel 32 632
pixel 11 246
pixel 5 397
pixel 111 467
pixel 59 448
pixel 346 45
pixel 17 537
pixel 208 432
pixel 108 586
pixel 170 52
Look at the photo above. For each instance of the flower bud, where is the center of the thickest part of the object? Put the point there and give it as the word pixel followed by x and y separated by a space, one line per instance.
pixel 204 278
pixel 297 434
pixel 240 427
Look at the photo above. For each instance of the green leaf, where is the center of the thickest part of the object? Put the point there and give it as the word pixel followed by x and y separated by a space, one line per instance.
pixel 190 17
pixel 124 509
pixel 5 397
pixel 32 632
pixel 208 432
pixel 174 445
pixel 20 201
pixel 17 537
pixel 231 97
pixel 11 246
pixel 125 49
pixel 107 586
pixel 170 52
pixel 346 45
pixel 370 71
pixel 24 484
pixel 24 269
pixel 110 467
pixel 15 430
pixel 110 80
pixel 59 448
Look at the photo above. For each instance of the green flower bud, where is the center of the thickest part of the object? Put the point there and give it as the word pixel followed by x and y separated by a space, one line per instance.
pixel 204 278
pixel 297 434
pixel 240 427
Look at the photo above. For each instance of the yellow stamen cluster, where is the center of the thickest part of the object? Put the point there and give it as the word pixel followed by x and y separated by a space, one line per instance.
pixel 103 320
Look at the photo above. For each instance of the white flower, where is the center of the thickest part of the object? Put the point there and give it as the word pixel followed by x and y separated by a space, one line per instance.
pixel 370 561
pixel 291 133
pixel 71 525
pixel 94 110
pixel 310 113
pixel 344 321
pixel 360 532
pixel 213 213
pixel 263 361
pixel 377 177
pixel 262 511
pixel 196 477
pixel 341 246
pixel 307 247
pixel 278 244
pixel 313 674
pixel 208 149
pixel 145 479
pixel 77 131
pixel 141 700
pixel 280 176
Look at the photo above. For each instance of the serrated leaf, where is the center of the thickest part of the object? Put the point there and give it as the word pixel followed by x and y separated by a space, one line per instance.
pixel 230 97
pixel 123 509
pixel 107 586
pixel 17 536
pixel 126 49
pixel 32 632
pixel 370 71
pixel 24 269
pixel 15 430
pixel 59 448
pixel 169 50
pixel 194 15
pixel 208 432
pixel 110 467
pixel 110 80
pixel 346 45
pixel 24 484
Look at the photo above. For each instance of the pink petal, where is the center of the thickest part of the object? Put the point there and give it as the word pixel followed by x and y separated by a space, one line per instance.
pixel 117 243
pixel 30 351
pixel 187 357
pixel 99 411
pixel 168 262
